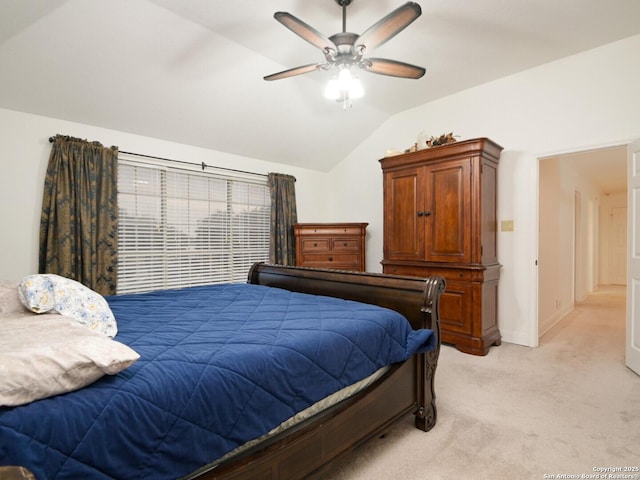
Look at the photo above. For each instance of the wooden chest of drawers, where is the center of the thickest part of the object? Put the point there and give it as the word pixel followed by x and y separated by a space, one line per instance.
pixel 340 246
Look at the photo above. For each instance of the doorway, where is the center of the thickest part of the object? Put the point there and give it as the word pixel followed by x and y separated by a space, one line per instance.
pixel 580 195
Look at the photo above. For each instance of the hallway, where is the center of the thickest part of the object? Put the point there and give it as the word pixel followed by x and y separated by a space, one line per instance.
pixel 597 324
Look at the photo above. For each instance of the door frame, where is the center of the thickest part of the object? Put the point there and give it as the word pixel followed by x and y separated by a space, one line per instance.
pixel 535 329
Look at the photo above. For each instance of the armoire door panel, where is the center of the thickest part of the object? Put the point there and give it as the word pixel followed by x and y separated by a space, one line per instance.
pixel 455 308
pixel 403 226
pixel 448 201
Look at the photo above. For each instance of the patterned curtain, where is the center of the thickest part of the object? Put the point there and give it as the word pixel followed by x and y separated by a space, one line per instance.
pixel 282 245
pixel 79 222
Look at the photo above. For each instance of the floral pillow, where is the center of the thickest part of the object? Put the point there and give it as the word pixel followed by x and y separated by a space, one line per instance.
pixel 36 293
pixel 45 292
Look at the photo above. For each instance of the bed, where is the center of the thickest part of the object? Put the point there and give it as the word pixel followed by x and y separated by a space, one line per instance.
pixel 208 403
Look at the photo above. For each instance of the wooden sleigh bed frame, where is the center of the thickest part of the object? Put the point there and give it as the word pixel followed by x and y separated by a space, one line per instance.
pixel 406 388
pixel 304 450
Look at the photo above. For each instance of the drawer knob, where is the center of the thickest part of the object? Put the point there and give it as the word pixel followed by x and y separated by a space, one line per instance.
pixel 426 214
pixel 331 259
pixel 315 244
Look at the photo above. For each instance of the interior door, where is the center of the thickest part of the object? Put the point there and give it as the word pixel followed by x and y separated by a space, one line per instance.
pixel 633 270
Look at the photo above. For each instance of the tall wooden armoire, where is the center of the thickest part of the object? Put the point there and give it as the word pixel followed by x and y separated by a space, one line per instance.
pixel 440 218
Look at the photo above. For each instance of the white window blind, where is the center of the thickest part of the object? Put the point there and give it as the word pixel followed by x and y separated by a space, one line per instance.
pixel 181 228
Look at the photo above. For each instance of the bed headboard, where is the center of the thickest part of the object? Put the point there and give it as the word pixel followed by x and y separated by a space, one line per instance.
pixel 416 298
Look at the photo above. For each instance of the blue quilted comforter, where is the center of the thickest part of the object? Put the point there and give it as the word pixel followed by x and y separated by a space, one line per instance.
pixel 220 365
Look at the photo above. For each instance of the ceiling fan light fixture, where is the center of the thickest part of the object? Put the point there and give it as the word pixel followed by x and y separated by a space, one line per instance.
pixel 332 92
pixel 344 79
pixel 356 91
pixel 344 87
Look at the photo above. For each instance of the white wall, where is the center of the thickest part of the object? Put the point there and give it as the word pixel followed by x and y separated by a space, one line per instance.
pixel 25 147
pixel 555 258
pixel 583 101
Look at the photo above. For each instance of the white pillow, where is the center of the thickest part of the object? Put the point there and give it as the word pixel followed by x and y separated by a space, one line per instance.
pixel 49 354
pixel 9 299
pixel 44 292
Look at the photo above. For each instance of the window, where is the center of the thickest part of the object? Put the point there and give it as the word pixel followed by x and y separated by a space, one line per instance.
pixel 181 228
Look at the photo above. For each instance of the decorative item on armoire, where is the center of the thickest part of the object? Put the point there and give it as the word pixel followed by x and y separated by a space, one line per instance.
pixel 426 141
pixel 440 219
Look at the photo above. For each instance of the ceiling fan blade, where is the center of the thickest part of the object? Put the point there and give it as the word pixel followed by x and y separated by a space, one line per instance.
pixel 294 71
pixel 389 26
pixel 393 68
pixel 306 32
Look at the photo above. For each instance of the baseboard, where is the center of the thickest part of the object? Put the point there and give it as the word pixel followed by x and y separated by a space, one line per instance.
pixel 545 325
pixel 516 337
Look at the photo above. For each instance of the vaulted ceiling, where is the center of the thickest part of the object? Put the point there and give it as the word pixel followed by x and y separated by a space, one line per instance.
pixel 191 71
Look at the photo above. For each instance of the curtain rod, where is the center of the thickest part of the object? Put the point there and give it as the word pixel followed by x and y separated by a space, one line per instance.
pixel 202 164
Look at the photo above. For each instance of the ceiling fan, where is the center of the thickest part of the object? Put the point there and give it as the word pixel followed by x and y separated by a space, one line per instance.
pixel 345 50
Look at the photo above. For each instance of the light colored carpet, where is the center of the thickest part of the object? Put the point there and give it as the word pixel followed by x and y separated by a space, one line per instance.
pixel 564 408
